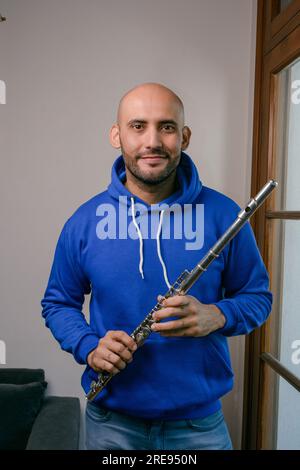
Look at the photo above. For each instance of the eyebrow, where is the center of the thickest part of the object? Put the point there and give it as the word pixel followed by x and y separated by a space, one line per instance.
pixel 143 121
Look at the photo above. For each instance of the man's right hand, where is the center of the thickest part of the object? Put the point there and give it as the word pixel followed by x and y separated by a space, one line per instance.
pixel 113 352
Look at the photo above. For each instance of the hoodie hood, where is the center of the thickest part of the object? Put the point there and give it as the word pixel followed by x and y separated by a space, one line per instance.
pixel 189 184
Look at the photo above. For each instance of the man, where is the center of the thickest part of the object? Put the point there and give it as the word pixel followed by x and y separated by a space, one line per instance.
pixel 168 393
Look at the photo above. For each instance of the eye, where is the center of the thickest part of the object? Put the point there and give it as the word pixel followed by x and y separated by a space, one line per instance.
pixel 168 128
pixel 137 126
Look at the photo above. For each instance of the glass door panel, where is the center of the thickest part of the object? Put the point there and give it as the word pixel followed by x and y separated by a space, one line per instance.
pixel 285 318
pixel 287 138
pixel 283 429
pixel 281 423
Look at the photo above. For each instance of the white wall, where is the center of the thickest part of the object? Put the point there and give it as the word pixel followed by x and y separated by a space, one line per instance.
pixel 65 64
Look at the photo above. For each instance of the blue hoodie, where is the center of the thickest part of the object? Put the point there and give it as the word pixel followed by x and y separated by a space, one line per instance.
pixel 110 248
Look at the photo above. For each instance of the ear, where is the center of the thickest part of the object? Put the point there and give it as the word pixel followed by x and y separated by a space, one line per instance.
pixel 114 136
pixel 186 135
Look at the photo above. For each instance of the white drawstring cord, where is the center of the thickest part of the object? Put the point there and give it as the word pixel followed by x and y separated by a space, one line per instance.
pixel 140 238
pixel 158 249
pixel 157 243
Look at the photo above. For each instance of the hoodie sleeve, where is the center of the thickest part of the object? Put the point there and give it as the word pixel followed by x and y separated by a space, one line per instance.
pixel 63 300
pixel 247 300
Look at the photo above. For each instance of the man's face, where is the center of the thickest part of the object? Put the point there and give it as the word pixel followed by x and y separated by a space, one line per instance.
pixel 151 134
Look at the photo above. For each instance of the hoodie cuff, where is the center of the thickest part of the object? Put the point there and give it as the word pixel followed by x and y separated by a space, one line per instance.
pixel 228 309
pixel 87 344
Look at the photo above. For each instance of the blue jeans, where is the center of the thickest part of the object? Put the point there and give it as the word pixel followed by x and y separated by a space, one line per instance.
pixel 108 430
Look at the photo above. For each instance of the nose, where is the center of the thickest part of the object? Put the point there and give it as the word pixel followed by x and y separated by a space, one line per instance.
pixel 152 138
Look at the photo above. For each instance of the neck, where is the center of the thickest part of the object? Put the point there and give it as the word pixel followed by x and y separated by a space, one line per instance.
pixel 151 194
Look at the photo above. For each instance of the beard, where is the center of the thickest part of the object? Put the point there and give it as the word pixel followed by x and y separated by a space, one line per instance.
pixel 146 178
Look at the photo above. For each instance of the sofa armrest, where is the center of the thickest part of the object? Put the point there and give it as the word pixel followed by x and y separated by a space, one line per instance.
pixel 57 425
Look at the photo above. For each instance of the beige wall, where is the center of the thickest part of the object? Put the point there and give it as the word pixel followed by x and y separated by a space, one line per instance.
pixel 65 64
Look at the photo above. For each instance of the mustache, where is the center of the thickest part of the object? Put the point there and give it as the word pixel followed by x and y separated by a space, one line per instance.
pixel 159 152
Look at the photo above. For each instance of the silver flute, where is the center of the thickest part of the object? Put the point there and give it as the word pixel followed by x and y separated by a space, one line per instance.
pixel 188 278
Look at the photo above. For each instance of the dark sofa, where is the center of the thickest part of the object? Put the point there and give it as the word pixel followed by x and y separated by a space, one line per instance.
pixel 32 421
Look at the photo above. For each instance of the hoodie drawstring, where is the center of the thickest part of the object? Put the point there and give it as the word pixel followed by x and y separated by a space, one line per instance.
pixel 140 238
pixel 157 243
pixel 161 216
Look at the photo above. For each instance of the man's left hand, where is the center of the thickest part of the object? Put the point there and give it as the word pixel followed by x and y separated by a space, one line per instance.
pixel 195 318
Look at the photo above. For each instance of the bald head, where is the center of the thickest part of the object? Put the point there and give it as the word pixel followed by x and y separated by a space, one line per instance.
pixel 151 133
pixel 150 96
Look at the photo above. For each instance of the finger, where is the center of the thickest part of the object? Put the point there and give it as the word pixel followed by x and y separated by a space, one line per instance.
pixel 125 339
pixel 119 349
pixel 104 366
pixel 171 325
pixel 176 301
pixel 114 359
pixel 169 312
pixel 105 353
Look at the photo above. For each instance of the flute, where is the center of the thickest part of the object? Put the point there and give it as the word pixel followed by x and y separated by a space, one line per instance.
pixel 188 278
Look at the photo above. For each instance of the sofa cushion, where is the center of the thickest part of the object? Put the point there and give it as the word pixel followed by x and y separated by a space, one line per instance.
pixel 19 406
pixel 21 375
pixel 57 426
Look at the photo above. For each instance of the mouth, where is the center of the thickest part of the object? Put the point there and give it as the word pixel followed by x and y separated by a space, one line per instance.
pixel 153 158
